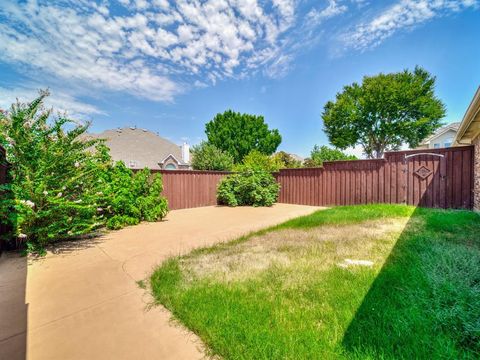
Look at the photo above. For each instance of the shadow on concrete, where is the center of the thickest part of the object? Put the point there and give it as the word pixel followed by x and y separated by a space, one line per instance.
pixel 66 247
pixel 13 306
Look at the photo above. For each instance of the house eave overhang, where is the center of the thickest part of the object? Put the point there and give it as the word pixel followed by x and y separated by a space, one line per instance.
pixel 470 126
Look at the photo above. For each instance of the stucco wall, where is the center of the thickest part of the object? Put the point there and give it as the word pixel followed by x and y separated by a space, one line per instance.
pixel 476 187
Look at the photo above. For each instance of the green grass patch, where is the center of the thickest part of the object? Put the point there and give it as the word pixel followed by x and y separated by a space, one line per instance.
pixel 286 293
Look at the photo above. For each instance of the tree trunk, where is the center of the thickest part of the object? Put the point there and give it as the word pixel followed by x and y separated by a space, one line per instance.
pixel 379 150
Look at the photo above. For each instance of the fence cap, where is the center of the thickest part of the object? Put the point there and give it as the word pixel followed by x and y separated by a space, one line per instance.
pixel 434 151
pixel 190 172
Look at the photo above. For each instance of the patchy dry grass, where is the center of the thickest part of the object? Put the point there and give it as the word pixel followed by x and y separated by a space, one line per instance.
pixel 363 282
pixel 321 248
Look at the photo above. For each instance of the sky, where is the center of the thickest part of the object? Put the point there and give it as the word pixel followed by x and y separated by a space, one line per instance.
pixel 170 66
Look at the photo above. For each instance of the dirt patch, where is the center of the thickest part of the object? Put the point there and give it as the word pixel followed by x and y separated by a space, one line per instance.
pixel 320 247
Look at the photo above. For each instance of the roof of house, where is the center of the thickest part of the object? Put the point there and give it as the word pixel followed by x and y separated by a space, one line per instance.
pixel 452 126
pixel 293 156
pixel 139 148
pixel 297 157
pixel 470 125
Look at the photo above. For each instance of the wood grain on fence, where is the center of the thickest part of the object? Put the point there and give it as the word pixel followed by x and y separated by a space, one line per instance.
pixel 189 188
pixel 441 178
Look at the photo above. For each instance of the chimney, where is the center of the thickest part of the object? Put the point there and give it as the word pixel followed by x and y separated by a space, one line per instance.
pixel 185 153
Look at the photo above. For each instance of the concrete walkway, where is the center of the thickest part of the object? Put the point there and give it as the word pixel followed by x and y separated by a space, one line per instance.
pixel 82 302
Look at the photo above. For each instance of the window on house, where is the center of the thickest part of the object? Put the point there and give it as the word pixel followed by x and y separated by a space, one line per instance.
pixel 448 142
pixel 170 167
pixel 436 146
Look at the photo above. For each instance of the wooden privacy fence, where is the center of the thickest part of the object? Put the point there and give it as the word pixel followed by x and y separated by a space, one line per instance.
pixel 190 188
pixel 440 178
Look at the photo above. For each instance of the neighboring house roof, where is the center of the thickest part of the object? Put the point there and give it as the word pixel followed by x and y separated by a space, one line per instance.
pixel 297 157
pixel 139 148
pixel 449 127
pixel 294 156
pixel 470 126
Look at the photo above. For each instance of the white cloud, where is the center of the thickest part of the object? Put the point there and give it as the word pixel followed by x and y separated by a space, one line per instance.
pixel 405 14
pixel 280 67
pixel 60 101
pixel 334 8
pixel 155 50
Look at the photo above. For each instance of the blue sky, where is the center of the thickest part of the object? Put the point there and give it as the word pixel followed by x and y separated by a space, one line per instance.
pixel 170 66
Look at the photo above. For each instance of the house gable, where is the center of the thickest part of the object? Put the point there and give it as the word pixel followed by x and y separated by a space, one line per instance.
pixel 444 137
pixel 169 163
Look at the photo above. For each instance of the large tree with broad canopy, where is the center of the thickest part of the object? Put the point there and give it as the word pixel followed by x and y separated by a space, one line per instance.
pixel 238 134
pixel 384 112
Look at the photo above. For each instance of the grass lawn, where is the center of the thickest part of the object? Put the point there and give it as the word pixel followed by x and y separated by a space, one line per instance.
pixel 297 290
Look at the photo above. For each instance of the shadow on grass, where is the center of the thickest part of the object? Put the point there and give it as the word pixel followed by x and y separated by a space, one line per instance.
pixel 425 301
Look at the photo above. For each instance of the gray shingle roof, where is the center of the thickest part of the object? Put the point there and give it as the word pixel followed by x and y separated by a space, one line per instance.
pixel 139 148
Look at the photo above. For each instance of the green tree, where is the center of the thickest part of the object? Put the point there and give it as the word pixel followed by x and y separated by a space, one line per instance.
pixel 207 156
pixel 256 161
pixel 384 112
pixel 238 134
pixel 319 154
pixel 286 160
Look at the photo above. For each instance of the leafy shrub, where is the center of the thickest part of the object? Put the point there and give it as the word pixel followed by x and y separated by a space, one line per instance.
pixel 207 156
pixel 286 160
pixel 129 197
pixel 255 188
pixel 319 154
pixel 257 161
pixel 61 189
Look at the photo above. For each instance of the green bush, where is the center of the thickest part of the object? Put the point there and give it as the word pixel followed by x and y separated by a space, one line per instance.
pixel 257 161
pixel 59 188
pixel 207 156
pixel 319 154
pixel 250 187
pixel 286 160
pixel 129 197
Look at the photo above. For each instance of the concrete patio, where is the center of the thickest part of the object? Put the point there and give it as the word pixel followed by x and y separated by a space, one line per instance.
pixel 82 300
